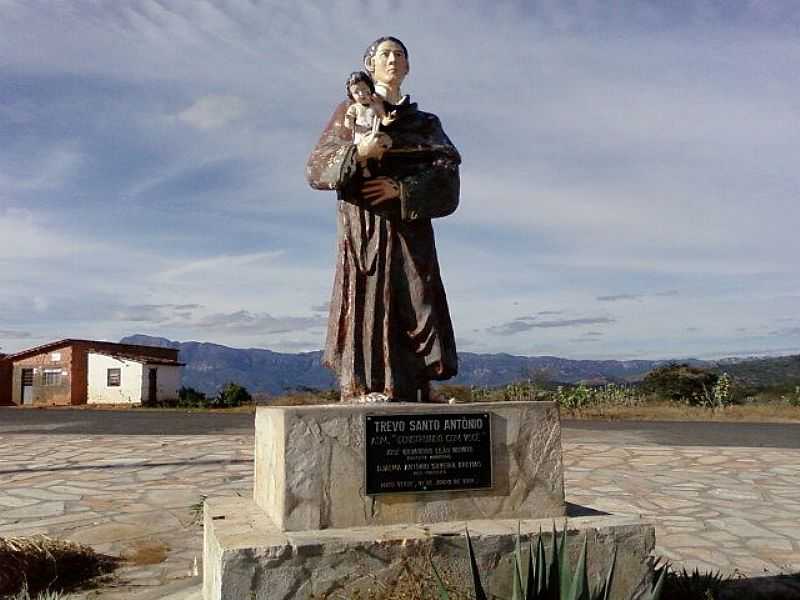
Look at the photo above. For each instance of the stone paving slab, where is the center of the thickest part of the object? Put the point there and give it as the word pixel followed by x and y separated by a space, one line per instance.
pixel 120 494
pixel 734 509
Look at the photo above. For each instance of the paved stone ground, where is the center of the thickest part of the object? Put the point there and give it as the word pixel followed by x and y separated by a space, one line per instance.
pixel 729 508
pixel 121 494
pixel 732 509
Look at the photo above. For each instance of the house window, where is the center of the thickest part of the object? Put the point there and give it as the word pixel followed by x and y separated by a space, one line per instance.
pixel 114 377
pixel 55 356
pixel 52 377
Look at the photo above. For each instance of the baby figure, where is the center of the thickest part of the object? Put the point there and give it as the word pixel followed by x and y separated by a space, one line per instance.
pixel 366 114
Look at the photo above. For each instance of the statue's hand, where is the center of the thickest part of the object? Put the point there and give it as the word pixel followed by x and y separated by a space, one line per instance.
pixel 373 145
pixel 379 190
pixel 388 119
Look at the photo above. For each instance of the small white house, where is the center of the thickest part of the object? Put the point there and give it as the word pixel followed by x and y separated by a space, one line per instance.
pixel 58 374
pixel 119 379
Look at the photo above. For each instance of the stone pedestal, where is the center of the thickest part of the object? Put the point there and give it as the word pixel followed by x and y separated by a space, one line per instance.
pixel 311 528
pixel 310 467
pixel 246 556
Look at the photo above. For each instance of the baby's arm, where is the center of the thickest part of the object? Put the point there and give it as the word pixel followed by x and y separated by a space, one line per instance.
pixel 350 117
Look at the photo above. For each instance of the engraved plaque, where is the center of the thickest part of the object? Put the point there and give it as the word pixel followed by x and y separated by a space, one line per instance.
pixel 428 452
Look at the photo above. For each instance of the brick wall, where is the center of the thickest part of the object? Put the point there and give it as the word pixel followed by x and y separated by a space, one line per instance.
pixel 58 359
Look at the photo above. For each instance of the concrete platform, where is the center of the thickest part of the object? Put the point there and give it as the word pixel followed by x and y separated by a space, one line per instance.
pixel 247 556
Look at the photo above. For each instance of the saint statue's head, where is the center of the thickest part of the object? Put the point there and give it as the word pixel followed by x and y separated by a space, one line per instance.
pixel 386 59
pixel 359 87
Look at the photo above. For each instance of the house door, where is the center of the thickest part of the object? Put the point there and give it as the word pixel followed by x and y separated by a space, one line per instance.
pixel 152 385
pixel 27 386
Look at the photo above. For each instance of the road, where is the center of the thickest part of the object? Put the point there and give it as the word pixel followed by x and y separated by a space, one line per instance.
pixel 158 422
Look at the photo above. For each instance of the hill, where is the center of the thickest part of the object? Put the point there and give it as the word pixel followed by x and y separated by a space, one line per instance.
pixel 210 366
pixel 783 371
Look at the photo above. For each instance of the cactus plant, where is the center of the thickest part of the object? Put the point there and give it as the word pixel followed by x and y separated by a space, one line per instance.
pixel 549 581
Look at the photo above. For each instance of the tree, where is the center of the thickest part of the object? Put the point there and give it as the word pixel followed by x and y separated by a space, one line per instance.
pixel 680 382
pixel 191 397
pixel 232 395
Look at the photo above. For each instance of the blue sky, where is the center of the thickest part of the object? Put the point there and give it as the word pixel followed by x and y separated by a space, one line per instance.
pixel 630 174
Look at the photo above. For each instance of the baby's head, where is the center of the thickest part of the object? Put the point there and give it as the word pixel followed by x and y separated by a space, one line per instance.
pixel 359 87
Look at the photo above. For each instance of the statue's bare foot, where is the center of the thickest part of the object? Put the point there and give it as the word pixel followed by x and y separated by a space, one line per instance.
pixel 371 398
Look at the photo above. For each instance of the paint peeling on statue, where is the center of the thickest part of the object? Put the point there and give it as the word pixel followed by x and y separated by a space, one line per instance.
pixel 394 169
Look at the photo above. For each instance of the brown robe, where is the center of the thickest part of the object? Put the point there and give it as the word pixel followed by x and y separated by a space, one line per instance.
pixel 389 328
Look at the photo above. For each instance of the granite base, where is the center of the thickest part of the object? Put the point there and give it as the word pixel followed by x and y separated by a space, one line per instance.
pixel 247 556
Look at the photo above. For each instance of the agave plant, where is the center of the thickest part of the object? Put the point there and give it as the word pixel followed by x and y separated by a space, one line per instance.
pixel 553 581
pixel 696 585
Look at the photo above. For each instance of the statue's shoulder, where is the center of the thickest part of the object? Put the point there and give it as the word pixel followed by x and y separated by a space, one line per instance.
pixel 335 132
pixel 426 119
pixel 423 131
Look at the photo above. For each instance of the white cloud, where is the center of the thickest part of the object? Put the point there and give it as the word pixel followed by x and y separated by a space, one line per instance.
pixel 213 267
pixel 37 169
pixel 243 321
pixel 213 112
pixel 14 334
pixel 522 324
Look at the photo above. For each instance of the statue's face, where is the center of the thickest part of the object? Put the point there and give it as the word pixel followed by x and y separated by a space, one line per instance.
pixel 361 93
pixel 389 65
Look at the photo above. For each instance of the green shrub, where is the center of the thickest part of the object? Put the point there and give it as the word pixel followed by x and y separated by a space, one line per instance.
pixel 232 395
pixel 190 397
pixel 681 382
pixel 522 390
pixel 794 399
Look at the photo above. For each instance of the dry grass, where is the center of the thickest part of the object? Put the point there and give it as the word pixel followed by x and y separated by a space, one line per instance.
pixel 41 563
pixel 756 413
pixel 304 399
pixel 24 594
pixel 412 579
pixel 151 552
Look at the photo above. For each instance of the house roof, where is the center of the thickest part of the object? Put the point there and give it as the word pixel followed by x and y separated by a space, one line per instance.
pixel 43 348
pixel 145 360
pixel 71 341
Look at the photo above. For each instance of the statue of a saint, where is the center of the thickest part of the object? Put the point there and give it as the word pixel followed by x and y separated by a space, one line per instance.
pixel 389 330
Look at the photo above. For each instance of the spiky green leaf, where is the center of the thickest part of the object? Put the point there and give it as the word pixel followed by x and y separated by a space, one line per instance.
pixel 655 594
pixel 605 592
pixel 553 588
pixel 565 581
pixel 530 580
pixel 516 593
pixel 579 586
pixel 477 587
pixel 540 566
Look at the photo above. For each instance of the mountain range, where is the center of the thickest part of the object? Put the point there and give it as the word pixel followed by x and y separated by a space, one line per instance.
pixel 209 366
